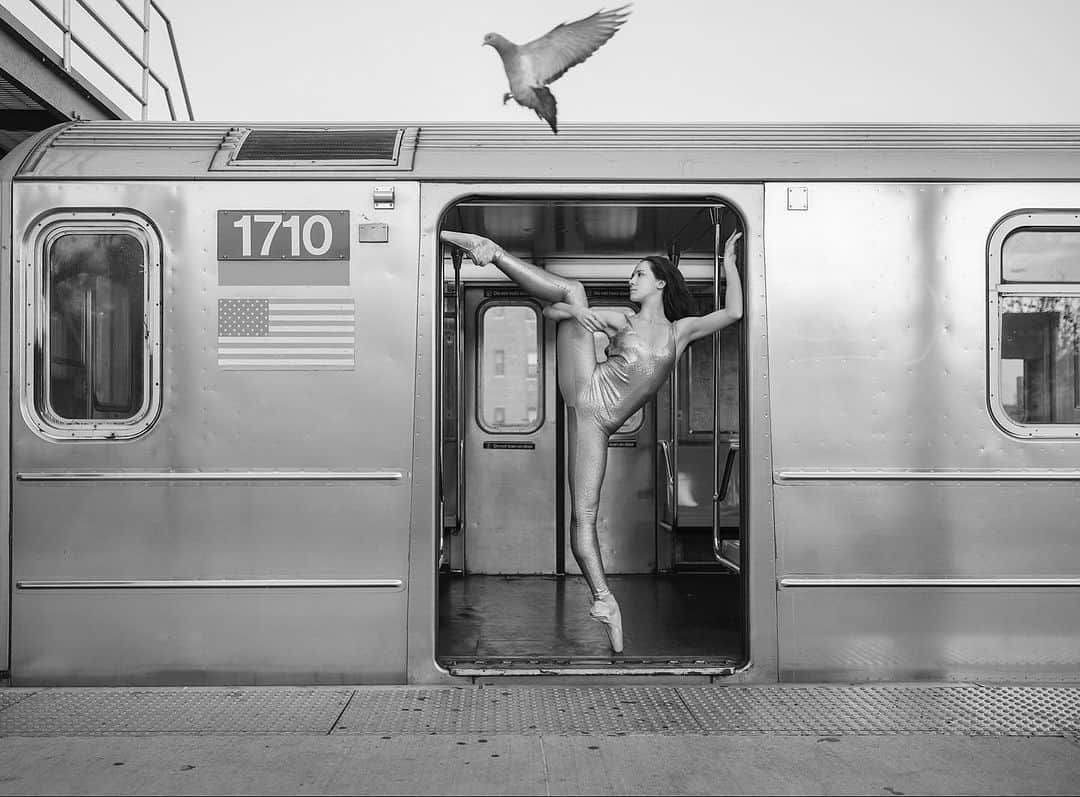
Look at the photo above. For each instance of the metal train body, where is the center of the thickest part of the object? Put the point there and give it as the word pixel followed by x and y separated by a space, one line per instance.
pixel 904 382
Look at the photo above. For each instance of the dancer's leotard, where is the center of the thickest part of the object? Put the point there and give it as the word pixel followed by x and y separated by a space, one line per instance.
pixel 630 376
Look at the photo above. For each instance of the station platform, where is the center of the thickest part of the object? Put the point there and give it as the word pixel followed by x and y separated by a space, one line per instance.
pixel 503 737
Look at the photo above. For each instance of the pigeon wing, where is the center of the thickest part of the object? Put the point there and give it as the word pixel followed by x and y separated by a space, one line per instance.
pixel 569 44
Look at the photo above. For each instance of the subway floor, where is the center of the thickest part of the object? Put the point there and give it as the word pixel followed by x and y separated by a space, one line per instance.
pixel 684 616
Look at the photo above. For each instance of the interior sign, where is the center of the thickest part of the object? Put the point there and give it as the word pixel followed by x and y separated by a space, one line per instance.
pixel 283 235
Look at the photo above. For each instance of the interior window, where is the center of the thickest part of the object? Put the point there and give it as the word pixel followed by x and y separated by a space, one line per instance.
pixel 509 380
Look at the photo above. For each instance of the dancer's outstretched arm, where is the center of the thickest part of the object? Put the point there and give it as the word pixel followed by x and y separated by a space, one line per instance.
pixel 559 311
pixel 692 327
pixel 608 320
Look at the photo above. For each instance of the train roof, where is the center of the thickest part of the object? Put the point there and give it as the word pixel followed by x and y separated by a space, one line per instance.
pixel 468 152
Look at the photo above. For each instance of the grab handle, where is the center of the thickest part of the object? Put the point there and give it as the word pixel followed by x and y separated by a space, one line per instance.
pixel 672 494
pixel 721 496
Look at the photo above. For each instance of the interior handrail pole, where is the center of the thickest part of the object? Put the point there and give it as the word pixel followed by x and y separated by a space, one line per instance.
pixel 459 394
pixel 716 219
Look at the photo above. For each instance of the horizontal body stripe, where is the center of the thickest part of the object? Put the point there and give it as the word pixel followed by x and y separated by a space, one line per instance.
pixel 901 474
pixel 204 475
pixel 919 581
pixel 220 583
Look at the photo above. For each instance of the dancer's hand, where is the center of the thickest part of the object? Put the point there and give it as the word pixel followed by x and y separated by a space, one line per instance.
pixel 590 320
pixel 480 250
pixel 729 248
pixel 484 252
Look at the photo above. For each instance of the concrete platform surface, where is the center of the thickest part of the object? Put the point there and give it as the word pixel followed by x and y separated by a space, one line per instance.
pixel 525 739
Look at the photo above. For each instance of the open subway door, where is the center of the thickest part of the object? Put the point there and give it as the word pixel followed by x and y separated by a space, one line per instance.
pixel 510 596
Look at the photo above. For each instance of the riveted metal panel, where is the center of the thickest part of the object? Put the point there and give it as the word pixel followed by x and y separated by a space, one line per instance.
pixel 878 335
pixel 107 712
pixel 8 166
pixel 898 378
pixel 928 528
pixel 864 633
pixel 279 426
pixel 206 636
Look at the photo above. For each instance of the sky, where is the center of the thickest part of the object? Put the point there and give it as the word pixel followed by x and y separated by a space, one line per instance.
pixel 708 61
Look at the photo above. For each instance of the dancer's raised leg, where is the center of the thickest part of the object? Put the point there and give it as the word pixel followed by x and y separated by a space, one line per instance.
pixel 576 352
pixel 532 279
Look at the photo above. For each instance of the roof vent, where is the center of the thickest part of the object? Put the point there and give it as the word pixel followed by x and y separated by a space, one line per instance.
pixel 317 149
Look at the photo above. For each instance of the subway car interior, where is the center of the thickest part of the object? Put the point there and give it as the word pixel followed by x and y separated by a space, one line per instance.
pixel 670 521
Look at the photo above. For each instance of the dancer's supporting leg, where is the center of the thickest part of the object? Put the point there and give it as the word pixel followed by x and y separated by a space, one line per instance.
pixel 587 461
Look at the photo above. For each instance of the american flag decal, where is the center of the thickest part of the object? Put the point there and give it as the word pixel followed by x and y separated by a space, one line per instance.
pixel 287 334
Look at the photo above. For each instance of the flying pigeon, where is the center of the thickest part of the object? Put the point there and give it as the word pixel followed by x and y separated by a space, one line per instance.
pixel 531 67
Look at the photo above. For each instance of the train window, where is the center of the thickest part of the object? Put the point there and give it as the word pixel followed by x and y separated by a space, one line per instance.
pixel 92 339
pixel 1035 324
pixel 509 383
pixel 1041 255
pixel 1039 347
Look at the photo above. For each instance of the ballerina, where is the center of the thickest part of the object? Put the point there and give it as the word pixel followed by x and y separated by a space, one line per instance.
pixel 599 397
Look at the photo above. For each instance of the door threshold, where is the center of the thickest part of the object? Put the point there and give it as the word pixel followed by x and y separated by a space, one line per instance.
pixel 533 665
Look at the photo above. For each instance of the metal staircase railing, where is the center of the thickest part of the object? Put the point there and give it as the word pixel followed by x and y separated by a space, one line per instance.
pixel 150 12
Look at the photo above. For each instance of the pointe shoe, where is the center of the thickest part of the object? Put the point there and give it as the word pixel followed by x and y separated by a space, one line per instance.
pixel 480 250
pixel 610 615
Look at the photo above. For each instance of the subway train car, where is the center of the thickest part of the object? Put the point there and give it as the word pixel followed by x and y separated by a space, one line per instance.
pixel 262 427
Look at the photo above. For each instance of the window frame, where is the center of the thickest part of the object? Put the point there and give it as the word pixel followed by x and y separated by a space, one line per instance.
pixel 484 307
pixel 35 399
pixel 998 289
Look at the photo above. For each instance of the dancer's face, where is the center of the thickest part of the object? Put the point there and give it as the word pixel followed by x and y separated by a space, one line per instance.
pixel 644 283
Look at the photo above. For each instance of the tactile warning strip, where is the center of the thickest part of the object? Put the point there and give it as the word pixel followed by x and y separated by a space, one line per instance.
pixel 89 712
pixel 551 710
pixel 886 710
pixel 9 697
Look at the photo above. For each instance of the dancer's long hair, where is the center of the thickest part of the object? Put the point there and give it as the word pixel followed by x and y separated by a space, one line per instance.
pixel 678 303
